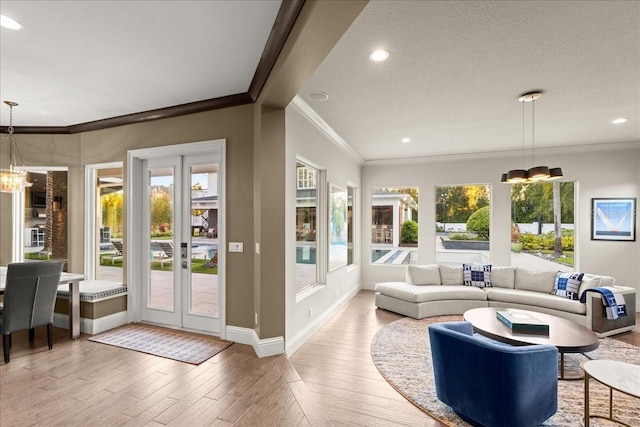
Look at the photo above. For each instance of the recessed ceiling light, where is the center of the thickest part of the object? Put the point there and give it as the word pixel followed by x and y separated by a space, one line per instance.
pixel 405 140
pixel 318 96
pixel 379 55
pixel 9 23
pixel 620 120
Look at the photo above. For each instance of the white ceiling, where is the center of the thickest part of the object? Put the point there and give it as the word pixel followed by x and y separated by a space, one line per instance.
pixel 80 61
pixel 457 68
pixel 451 84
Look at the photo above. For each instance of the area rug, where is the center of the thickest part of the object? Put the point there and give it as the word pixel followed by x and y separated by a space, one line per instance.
pixel 177 345
pixel 401 352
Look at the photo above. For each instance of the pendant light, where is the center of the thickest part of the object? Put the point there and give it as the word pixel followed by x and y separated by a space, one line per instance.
pixel 12 180
pixel 535 173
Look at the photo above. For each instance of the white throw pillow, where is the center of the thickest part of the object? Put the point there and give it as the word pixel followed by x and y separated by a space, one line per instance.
pixel 535 280
pixel 503 277
pixel 589 281
pixel 423 275
pixel 451 274
pixel 607 281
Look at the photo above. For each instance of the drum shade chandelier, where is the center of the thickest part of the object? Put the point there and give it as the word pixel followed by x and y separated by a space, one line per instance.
pixel 12 180
pixel 535 173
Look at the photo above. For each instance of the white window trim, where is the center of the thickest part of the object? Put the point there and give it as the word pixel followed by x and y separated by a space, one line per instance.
pixel 17 212
pixel 321 230
pixel 90 214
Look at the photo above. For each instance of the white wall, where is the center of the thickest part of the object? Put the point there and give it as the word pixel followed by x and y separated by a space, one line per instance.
pixel 307 140
pixel 611 170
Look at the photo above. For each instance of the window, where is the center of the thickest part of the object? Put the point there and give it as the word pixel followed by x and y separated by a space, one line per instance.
pixel 351 194
pixel 542 216
pixel 462 224
pixel 306 177
pixel 110 223
pixel 306 227
pixel 46 213
pixel 394 226
pixel 103 222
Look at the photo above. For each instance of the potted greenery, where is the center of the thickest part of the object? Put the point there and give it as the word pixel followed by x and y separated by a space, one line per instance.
pixel 516 246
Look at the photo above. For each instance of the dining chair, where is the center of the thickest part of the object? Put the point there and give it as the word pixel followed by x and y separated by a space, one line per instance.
pixel 29 299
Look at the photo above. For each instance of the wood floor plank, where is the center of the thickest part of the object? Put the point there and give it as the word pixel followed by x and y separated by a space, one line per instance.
pixel 312 410
pixel 329 380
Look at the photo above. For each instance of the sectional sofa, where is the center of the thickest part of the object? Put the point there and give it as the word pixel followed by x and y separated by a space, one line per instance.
pixel 434 290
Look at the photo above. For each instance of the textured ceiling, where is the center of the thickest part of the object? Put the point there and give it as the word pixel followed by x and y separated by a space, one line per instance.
pixel 457 68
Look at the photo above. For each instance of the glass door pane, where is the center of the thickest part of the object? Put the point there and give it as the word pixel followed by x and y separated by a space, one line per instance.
pixel 161 287
pixel 203 295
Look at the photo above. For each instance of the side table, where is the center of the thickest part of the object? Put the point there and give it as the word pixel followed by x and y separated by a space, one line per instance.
pixel 620 376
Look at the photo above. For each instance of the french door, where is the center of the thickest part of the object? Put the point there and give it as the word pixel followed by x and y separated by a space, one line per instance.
pixel 179 214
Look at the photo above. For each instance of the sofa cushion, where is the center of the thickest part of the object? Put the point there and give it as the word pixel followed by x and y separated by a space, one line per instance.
pixel 417 294
pixel 535 280
pixel 537 299
pixel 423 275
pixel 477 275
pixel 589 281
pixel 568 285
pixel 607 281
pixel 451 274
pixel 502 277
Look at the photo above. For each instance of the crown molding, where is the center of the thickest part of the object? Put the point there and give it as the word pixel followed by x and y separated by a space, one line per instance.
pixel 571 149
pixel 285 20
pixel 315 119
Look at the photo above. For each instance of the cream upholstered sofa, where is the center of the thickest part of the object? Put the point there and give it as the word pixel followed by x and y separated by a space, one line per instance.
pixel 434 290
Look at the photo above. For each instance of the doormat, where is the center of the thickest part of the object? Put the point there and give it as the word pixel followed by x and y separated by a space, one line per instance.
pixel 172 344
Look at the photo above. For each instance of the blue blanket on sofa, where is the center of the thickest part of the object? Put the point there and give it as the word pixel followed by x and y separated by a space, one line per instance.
pixel 613 302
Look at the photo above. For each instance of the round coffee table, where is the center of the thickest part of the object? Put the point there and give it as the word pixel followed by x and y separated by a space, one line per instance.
pixel 565 335
pixel 620 376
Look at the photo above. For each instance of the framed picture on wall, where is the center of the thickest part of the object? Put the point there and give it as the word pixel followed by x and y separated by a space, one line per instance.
pixel 613 219
pixel 338 250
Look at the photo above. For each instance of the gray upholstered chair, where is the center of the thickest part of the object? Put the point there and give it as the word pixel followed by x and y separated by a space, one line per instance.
pixel 29 298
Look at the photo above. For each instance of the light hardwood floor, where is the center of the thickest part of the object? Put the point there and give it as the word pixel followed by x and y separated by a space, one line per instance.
pixel 330 380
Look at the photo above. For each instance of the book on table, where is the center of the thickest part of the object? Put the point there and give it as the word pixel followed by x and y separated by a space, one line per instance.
pixel 522 323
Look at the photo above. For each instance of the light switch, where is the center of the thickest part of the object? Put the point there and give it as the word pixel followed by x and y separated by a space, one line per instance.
pixel 236 247
pixel 258 248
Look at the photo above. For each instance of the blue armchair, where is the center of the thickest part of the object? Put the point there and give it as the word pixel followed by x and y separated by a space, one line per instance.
pixel 492 384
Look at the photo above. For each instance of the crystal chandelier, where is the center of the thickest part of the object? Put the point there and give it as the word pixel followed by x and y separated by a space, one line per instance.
pixel 12 180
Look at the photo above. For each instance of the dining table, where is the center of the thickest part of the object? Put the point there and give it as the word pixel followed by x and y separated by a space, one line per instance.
pixel 73 281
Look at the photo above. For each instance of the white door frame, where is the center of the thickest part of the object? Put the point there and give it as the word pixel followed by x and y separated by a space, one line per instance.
pixel 136 256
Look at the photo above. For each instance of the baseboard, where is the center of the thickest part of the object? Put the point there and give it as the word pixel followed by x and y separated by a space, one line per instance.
pixel 263 348
pixel 92 326
pixel 614 331
pixel 296 342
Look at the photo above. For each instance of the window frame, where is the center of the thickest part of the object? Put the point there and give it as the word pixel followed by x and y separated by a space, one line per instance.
pixel 321 238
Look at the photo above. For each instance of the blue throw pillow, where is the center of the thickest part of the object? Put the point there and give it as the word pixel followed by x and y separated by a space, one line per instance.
pixel 568 285
pixel 476 275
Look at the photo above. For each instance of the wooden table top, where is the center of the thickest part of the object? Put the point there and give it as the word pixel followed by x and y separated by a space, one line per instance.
pixel 567 336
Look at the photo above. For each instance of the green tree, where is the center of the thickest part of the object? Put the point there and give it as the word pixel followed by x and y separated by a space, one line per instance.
pixel 161 209
pixel 457 203
pixel 409 232
pixel 534 202
pixel 112 212
pixel 557 233
pixel 479 222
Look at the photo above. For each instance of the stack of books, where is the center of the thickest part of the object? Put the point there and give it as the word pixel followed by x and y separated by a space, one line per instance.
pixel 522 323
